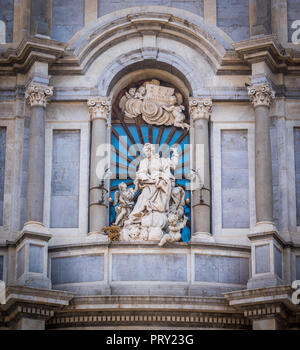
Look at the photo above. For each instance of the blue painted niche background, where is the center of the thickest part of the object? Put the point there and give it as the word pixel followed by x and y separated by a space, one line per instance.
pixel 122 159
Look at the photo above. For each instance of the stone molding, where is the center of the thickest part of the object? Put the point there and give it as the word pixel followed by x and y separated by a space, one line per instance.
pixel 261 95
pixel 99 107
pixel 200 108
pixel 37 95
pixel 154 318
pixel 264 303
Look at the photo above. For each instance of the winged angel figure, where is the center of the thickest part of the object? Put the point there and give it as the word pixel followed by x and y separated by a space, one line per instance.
pixel 125 198
pixel 156 104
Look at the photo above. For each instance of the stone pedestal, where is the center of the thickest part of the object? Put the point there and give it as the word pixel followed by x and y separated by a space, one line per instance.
pixel 266 259
pixel 32 256
pixel 99 108
pixel 200 111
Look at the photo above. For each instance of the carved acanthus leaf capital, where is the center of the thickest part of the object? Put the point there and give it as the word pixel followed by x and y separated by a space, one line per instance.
pixel 37 95
pixel 200 108
pixel 99 107
pixel 261 95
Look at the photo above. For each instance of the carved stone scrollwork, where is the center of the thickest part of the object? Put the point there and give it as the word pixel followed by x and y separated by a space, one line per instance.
pixel 37 95
pixel 200 108
pixel 99 107
pixel 261 95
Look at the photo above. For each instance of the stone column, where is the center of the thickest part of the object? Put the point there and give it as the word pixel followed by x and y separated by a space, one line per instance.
pixel 37 96
pixel 200 111
pixel 266 244
pixel 261 97
pixel 32 243
pixel 99 108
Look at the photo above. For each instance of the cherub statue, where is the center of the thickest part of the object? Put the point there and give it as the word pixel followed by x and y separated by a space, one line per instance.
pixel 177 112
pixel 141 92
pixel 125 198
pixel 175 226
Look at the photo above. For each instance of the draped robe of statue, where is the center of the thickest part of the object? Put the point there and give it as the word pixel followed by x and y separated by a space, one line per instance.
pixel 155 181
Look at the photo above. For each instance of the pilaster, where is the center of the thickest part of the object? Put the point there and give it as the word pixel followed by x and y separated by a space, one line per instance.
pixel 200 111
pixel 99 109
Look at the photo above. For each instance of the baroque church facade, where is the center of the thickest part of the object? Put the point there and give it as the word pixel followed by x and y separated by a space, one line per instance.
pixel 149 164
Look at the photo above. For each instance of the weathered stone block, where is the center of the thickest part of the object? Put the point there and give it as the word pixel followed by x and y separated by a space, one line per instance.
pixel 75 269
pixel 233 18
pixel 221 269
pixel 149 267
pixel 262 258
pixel 36 258
pixel 67 18
pixel 235 179
pixel 108 6
pixel 20 262
pixel 65 179
pixel 278 262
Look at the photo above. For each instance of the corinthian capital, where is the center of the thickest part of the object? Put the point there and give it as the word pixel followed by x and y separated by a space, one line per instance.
pixel 200 108
pixel 37 95
pixel 261 95
pixel 99 107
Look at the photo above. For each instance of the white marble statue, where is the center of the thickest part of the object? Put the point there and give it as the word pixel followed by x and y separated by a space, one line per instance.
pixel 157 199
pixel 125 198
pixel 156 104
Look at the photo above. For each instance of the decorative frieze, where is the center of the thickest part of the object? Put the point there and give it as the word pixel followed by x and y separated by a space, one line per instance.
pixel 200 108
pixel 37 95
pixel 261 95
pixel 99 107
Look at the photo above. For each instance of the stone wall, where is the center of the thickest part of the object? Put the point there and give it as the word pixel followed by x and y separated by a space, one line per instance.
pixel 107 6
pixel 76 269
pixel 235 179
pixel 65 179
pixel 233 18
pixel 67 18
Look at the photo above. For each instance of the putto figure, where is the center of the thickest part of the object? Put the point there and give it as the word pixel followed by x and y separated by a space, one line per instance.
pixel 125 198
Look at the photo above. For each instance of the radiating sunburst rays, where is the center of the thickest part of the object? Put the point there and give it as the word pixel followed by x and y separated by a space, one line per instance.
pixel 128 141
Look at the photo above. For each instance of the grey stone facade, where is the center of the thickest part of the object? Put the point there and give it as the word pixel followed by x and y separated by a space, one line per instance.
pixel 236 61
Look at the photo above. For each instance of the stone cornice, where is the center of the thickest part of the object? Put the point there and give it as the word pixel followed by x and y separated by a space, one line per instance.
pixel 25 294
pixel 31 49
pixel 255 298
pixel 267 48
pixel 37 95
pixel 261 95
pixel 99 107
pixel 200 108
